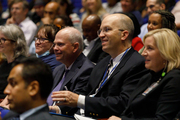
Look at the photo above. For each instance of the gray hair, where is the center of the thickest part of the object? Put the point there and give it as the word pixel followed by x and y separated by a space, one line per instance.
pixel 13 32
pixel 75 36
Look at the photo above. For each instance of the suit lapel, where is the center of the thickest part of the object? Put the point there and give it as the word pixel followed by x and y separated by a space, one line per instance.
pixel 58 75
pixel 121 64
pixel 74 69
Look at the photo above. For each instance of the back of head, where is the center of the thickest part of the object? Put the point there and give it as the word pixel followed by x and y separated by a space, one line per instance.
pixel 13 32
pixel 168 19
pixel 66 20
pixel 35 69
pixel 168 44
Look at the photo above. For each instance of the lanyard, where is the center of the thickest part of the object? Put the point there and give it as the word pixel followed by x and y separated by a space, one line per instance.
pixel 102 82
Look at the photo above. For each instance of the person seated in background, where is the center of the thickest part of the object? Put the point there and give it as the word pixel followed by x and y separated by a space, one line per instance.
pixel 76 68
pixel 37 12
pixel 151 5
pixel 157 95
pixel 19 11
pixel 43 43
pixel 29 84
pixel 137 43
pixel 129 6
pixel 110 83
pixel 161 19
pixel 94 7
pixel 62 21
pixel 112 6
pixel 50 13
pixel 93 48
pixel 13 46
pixel 66 8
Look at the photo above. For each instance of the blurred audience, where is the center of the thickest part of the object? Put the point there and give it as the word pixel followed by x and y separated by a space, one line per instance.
pixel 66 8
pixel 62 21
pixel 157 95
pixel 93 48
pixel 176 12
pixel 13 46
pixel 19 10
pixel 151 5
pixel 112 6
pixel 94 7
pixel 129 6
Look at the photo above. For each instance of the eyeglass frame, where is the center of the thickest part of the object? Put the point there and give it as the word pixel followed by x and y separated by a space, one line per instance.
pixel 105 30
pixel 41 40
pixel 4 39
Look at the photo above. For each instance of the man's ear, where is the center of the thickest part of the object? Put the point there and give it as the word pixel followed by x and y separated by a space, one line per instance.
pixel 33 88
pixel 76 46
pixel 124 35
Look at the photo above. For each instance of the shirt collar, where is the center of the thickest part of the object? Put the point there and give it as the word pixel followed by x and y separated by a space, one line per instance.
pixel 26 114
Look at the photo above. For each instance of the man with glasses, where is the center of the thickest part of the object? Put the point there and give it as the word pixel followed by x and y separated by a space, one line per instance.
pixel 74 73
pixel 114 77
pixel 19 11
pixel 151 5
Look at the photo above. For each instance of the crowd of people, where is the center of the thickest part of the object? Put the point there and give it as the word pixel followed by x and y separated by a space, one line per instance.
pixel 117 60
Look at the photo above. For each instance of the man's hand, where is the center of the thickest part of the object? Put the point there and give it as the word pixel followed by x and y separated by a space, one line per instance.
pixel 10 21
pixel 114 118
pixel 65 98
pixel 55 109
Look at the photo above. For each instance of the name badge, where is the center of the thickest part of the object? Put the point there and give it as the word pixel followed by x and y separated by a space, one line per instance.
pixel 150 88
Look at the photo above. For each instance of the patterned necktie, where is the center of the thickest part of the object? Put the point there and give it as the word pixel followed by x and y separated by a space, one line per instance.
pixel 57 88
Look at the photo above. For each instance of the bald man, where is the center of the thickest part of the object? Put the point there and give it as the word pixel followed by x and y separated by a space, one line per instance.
pixel 93 48
pixel 114 78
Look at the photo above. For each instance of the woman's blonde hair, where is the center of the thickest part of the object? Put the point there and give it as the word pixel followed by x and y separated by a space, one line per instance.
pixel 168 44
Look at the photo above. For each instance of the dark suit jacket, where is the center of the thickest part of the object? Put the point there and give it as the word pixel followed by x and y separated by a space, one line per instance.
pixel 96 54
pixel 76 78
pixel 42 114
pixel 113 97
pixel 161 103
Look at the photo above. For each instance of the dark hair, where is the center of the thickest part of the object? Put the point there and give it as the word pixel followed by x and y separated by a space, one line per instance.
pixel 168 19
pixel 137 29
pixel 34 69
pixel 50 31
pixel 67 20
pixel 69 8
pixel 160 2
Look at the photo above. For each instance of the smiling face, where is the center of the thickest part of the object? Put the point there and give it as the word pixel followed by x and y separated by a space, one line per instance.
pixel 45 45
pixel 63 48
pixel 91 5
pixel 7 47
pixel 17 91
pixel 110 35
pixel 154 22
pixel 153 59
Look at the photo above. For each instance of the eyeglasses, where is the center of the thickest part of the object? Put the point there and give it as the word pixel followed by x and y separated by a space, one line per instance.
pixel 105 30
pixel 2 40
pixel 41 40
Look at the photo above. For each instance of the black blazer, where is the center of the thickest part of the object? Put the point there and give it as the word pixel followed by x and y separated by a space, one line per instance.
pixel 113 97
pixel 96 54
pixel 75 79
pixel 42 114
pixel 161 103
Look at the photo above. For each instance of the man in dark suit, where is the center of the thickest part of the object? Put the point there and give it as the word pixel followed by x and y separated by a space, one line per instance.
pixel 68 50
pixel 109 95
pixel 93 48
pixel 29 84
